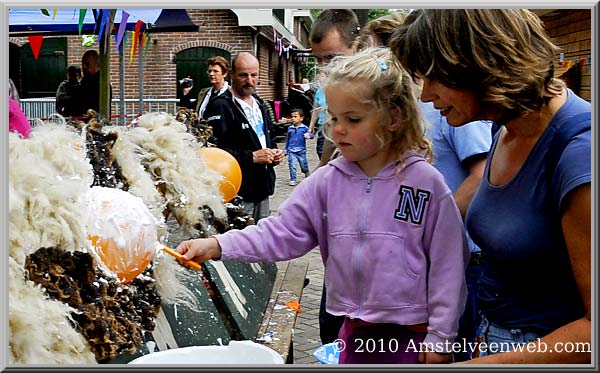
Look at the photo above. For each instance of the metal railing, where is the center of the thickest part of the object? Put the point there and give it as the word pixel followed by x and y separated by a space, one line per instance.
pixel 45 108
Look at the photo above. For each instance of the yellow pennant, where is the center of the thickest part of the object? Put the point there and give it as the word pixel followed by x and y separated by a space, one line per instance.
pixel 132 50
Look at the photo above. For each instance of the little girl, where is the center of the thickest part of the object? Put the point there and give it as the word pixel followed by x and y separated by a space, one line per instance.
pixel 390 234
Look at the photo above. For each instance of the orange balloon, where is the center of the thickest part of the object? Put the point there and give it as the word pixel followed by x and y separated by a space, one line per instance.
pixel 227 166
pixel 122 231
pixel 120 261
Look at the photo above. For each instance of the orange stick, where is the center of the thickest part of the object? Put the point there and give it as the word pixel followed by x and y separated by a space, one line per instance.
pixel 184 262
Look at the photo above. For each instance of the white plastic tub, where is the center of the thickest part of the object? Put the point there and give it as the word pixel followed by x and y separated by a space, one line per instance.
pixel 237 352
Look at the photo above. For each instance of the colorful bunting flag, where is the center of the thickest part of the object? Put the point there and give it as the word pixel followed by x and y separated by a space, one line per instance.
pixel 108 28
pixel 146 43
pixel 124 41
pixel 132 49
pixel 35 42
pixel 142 40
pixel 82 13
pixel 136 38
pixel 105 14
pixel 122 27
pixel 54 13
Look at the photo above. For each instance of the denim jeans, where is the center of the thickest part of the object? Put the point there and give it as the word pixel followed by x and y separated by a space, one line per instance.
pixel 496 339
pixel 299 157
pixel 470 320
pixel 258 210
pixel 320 141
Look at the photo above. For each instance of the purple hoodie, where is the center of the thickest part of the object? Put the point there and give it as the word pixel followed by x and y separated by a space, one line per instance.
pixel 393 245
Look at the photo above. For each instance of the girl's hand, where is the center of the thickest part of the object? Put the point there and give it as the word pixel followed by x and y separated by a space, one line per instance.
pixel 434 358
pixel 200 250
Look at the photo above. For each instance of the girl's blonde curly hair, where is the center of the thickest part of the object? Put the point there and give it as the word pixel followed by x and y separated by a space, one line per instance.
pixel 392 90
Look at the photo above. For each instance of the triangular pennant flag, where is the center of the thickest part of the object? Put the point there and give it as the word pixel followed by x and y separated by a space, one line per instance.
pixel 132 50
pixel 142 40
pixel 108 28
pixel 97 14
pixel 105 14
pixel 136 34
pixel 35 42
pixel 82 13
pixel 45 12
pixel 54 13
pixel 122 27
pixel 146 43
pixel 124 41
pixel 570 64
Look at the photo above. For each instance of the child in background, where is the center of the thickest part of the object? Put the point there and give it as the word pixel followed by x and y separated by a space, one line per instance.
pixel 68 92
pixel 390 234
pixel 295 145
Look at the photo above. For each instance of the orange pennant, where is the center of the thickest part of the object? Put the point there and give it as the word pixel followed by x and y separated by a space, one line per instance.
pixel 136 35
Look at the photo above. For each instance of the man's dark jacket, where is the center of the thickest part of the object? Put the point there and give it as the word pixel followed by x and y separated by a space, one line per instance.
pixel 235 134
pixel 89 88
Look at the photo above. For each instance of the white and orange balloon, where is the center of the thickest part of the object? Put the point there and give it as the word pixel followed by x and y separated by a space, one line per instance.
pixel 122 231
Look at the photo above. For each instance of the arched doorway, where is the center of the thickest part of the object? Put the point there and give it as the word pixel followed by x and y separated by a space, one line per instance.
pixel 193 63
pixel 41 77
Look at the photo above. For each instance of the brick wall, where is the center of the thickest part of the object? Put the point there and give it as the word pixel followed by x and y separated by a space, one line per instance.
pixel 276 71
pixel 218 29
pixel 570 29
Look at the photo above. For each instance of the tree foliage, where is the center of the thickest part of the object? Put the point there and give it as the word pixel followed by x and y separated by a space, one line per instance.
pixel 373 13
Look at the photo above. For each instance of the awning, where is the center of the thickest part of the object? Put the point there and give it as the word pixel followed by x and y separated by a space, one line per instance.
pixel 173 20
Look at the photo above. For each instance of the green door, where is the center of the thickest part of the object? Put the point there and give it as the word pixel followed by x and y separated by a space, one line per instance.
pixel 193 63
pixel 41 77
pixel 14 65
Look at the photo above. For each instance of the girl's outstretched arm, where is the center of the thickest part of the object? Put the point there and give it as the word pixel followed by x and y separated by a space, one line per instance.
pixel 200 250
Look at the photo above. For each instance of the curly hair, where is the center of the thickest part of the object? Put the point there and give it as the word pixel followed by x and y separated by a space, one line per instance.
pixel 502 55
pixel 390 88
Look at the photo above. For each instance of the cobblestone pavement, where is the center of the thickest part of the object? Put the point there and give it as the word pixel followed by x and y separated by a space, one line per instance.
pixel 306 332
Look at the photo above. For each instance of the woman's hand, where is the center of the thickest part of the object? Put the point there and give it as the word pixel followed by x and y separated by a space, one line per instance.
pixel 200 250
